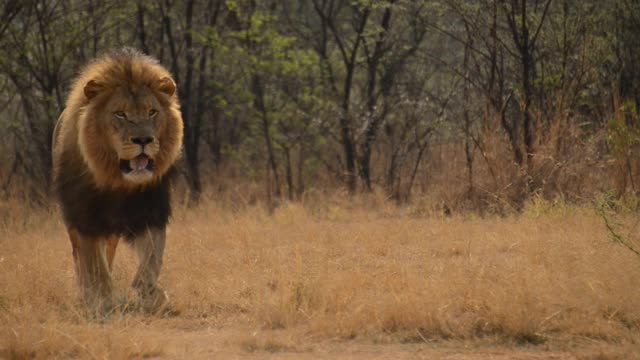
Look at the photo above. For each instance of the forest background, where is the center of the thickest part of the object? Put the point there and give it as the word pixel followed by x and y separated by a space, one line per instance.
pixel 458 105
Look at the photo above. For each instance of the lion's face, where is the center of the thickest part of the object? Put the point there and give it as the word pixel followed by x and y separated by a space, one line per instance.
pixel 132 133
pixel 134 123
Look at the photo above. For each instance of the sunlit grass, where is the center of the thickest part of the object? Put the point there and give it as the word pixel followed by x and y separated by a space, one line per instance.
pixel 549 275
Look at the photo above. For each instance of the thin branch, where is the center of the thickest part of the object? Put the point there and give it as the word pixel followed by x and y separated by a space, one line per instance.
pixel 617 238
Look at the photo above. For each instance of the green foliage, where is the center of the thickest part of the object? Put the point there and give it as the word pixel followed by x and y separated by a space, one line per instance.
pixel 258 48
pixel 289 82
pixel 624 128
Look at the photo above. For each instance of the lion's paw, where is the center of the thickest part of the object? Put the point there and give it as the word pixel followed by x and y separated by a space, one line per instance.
pixel 157 302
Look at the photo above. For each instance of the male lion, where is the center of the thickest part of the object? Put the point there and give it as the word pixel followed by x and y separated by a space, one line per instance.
pixel 114 147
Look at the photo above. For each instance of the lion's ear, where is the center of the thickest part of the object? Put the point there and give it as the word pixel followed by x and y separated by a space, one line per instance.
pixel 92 88
pixel 167 86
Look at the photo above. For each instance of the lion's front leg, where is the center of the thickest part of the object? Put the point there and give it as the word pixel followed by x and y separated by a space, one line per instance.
pixel 92 269
pixel 149 247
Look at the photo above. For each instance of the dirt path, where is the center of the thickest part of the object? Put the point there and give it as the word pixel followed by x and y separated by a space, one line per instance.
pixel 182 339
pixel 142 337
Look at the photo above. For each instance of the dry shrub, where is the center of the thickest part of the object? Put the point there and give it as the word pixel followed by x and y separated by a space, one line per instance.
pixel 544 274
pixel 518 280
pixel 569 162
pixel 59 339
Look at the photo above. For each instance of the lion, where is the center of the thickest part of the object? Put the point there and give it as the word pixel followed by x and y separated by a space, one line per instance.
pixel 115 146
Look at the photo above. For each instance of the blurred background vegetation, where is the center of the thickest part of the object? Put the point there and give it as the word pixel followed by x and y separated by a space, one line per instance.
pixel 469 105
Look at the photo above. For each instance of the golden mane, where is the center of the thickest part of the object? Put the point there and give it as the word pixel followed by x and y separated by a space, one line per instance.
pixel 124 69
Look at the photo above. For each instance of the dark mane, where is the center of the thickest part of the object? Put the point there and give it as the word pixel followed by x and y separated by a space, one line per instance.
pixel 96 212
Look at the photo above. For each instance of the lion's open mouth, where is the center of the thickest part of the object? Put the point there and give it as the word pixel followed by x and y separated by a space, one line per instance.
pixel 138 163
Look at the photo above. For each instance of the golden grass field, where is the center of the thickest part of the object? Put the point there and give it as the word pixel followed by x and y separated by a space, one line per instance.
pixel 336 281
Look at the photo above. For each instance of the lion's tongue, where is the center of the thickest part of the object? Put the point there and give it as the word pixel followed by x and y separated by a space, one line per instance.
pixel 139 162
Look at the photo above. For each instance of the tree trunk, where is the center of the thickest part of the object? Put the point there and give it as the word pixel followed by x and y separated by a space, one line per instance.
pixel 374 119
pixel 467 121
pixel 142 34
pixel 301 158
pixel 289 172
pixel 258 103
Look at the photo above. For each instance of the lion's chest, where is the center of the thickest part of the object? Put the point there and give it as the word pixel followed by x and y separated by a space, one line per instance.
pixel 102 213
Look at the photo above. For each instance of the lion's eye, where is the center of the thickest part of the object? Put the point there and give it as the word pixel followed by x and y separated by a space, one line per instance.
pixel 120 115
pixel 153 112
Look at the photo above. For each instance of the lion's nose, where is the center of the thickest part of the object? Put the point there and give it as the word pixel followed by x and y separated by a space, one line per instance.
pixel 142 140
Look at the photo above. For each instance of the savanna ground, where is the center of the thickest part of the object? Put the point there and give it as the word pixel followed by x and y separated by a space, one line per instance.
pixel 330 281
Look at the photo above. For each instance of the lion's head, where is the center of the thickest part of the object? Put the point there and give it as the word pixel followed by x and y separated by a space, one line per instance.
pixel 129 125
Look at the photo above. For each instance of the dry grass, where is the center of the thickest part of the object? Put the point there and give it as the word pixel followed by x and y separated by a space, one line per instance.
pixel 549 276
